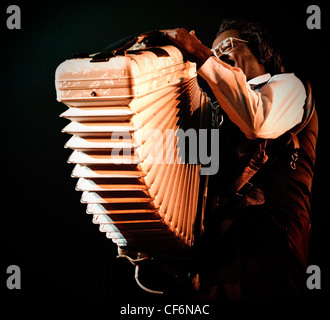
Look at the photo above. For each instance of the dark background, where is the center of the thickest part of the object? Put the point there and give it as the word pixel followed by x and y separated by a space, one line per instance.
pixel 46 232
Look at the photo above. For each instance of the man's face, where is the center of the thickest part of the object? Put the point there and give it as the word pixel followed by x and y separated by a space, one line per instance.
pixel 240 56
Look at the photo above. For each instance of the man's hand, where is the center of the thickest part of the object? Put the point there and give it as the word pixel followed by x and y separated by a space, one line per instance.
pixel 189 44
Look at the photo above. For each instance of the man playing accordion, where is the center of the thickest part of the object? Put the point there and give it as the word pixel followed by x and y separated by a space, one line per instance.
pixel 257 225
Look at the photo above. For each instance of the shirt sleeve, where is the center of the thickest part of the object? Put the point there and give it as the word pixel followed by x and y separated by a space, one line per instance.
pixel 268 113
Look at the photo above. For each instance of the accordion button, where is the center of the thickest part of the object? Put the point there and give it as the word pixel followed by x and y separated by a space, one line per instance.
pixel 93 94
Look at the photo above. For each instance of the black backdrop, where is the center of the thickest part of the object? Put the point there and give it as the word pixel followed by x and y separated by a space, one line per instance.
pixel 61 253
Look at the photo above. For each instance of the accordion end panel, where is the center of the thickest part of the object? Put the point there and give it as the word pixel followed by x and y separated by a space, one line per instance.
pixel 125 115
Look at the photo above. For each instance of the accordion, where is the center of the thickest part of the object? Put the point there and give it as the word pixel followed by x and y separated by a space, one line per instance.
pixel 129 115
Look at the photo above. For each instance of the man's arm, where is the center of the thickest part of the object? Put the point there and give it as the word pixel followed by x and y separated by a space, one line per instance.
pixel 274 109
pixel 190 45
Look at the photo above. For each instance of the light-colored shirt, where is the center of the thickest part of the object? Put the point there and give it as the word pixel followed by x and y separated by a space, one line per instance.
pixel 267 112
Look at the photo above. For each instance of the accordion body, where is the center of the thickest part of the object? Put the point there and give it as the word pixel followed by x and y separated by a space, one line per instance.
pixel 125 114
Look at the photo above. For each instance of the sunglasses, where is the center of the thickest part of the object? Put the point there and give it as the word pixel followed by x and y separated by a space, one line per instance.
pixel 226 46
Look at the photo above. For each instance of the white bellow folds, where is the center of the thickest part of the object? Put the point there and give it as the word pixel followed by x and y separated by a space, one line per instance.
pixel 124 116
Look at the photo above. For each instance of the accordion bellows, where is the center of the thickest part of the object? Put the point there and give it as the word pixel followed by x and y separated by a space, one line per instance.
pixel 124 115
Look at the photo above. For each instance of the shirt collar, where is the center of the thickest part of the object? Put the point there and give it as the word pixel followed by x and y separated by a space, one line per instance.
pixel 260 79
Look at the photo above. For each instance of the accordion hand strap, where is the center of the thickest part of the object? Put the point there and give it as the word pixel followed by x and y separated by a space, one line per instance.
pixel 151 38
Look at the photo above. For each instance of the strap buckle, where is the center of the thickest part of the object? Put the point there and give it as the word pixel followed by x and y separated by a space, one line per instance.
pixel 294 158
pixel 217 116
